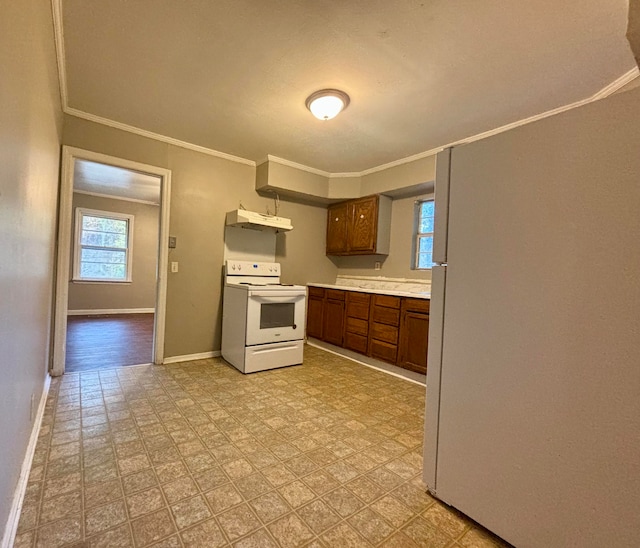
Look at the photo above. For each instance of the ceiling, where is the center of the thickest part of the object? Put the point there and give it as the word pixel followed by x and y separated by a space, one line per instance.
pixel 110 181
pixel 233 75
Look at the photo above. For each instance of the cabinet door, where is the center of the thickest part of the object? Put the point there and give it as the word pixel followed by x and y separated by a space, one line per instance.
pixel 337 219
pixel 414 340
pixel 364 225
pixel 315 316
pixel 383 351
pixel 333 321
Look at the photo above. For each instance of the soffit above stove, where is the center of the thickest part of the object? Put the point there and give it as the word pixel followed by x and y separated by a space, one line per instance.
pixel 258 221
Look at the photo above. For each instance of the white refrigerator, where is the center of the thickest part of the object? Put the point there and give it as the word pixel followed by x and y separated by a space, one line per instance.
pixel 533 383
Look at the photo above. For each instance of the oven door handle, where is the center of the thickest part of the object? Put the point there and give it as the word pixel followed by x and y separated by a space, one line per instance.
pixel 280 296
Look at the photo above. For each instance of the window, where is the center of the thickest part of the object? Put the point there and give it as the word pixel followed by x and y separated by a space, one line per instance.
pixel 102 251
pixel 424 235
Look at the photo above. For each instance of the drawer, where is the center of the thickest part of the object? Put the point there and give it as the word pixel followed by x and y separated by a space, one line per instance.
pixel 316 292
pixel 383 351
pixel 416 305
pixel 387 301
pixel 357 343
pixel 386 333
pixel 358 326
pixel 358 297
pixel 389 316
pixel 357 310
pixel 335 294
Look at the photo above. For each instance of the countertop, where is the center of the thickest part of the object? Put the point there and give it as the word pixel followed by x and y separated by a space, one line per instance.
pixel 395 293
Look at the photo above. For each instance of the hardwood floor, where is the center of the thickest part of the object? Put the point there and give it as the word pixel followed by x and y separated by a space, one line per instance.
pixel 98 342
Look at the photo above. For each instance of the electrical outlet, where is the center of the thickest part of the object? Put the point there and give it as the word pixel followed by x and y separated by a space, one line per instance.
pixel 174 266
pixel 32 411
pixel 377 265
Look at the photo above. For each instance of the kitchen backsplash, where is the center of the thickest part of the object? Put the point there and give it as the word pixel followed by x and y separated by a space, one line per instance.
pixel 380 282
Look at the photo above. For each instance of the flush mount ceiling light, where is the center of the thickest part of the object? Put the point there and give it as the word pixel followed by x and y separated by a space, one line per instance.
pixel 327 103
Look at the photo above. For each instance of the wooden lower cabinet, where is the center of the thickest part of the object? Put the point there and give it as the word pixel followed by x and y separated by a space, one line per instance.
pixel 388 328
pixel 315 313
pixel 356 335
pixel 383 351
pixel 414 335
pixel 333 327
pixel 384 322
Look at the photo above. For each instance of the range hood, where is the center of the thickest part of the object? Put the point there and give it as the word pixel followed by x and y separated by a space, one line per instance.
pixel 257 221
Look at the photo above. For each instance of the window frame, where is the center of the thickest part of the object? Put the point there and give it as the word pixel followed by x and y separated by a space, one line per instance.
pixel 81 212
pixel 419 235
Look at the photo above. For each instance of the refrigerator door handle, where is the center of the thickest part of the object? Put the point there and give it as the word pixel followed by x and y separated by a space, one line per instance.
pixel 434 373
pixel 441 221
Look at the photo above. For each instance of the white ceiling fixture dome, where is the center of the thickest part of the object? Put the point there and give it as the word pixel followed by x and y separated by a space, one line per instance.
pixel 326 104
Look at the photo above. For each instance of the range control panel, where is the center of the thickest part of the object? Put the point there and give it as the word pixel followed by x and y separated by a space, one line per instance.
pixel 248 268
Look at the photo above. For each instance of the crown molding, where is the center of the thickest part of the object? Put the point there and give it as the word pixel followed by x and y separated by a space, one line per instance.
pixel 617 84
pixel 58 35
pixel 402 161
pixel 158 137
pixel 58 31
pixel 301 167
pixel 604 92
pixel 608 90
pixel 56 6
pixel 346 175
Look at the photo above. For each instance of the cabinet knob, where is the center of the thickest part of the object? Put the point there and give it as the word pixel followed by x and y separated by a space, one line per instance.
pixel 362 216
pixel 337 219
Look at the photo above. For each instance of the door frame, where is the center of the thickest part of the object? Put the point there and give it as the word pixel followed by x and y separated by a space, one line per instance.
pixel 65 219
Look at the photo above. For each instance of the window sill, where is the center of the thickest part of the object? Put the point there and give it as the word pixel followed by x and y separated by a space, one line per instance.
pixel 101 282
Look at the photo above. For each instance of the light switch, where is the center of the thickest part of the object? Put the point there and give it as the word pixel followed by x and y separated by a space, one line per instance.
pixel 376 266
pixel 172 242
pixel 174 266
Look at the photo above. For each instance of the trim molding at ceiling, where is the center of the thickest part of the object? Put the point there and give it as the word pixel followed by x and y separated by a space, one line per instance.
pixel 604 92
pixel 617 84
pixel 113 197
pixel 289 163
pixel 156 136
pixel 56 6
pixel 58 35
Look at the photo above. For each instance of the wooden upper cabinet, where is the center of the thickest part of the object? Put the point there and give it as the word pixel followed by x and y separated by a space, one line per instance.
pixel 364 226
pixel 337 229
pixel 359 227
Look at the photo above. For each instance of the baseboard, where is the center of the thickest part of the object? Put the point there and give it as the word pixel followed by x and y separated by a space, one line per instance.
pixel 191 357
pixel 16 506
pixel 383 367
pixel 107 311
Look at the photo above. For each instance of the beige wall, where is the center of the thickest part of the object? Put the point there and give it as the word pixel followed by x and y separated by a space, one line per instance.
pixel 398 263
pixel 204 188
pixel 141 292
pixel 30 128
pixel 302 251
pixel 417 174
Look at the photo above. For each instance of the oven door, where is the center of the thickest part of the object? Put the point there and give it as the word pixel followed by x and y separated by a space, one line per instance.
pixel 274 316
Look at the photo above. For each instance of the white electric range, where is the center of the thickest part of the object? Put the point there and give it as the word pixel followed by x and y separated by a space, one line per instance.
pixel 263 320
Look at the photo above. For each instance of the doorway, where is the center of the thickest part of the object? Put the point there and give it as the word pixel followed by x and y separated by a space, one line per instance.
pixel 112 263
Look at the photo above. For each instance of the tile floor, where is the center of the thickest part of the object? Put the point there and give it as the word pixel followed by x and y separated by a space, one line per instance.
pixel 197 454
